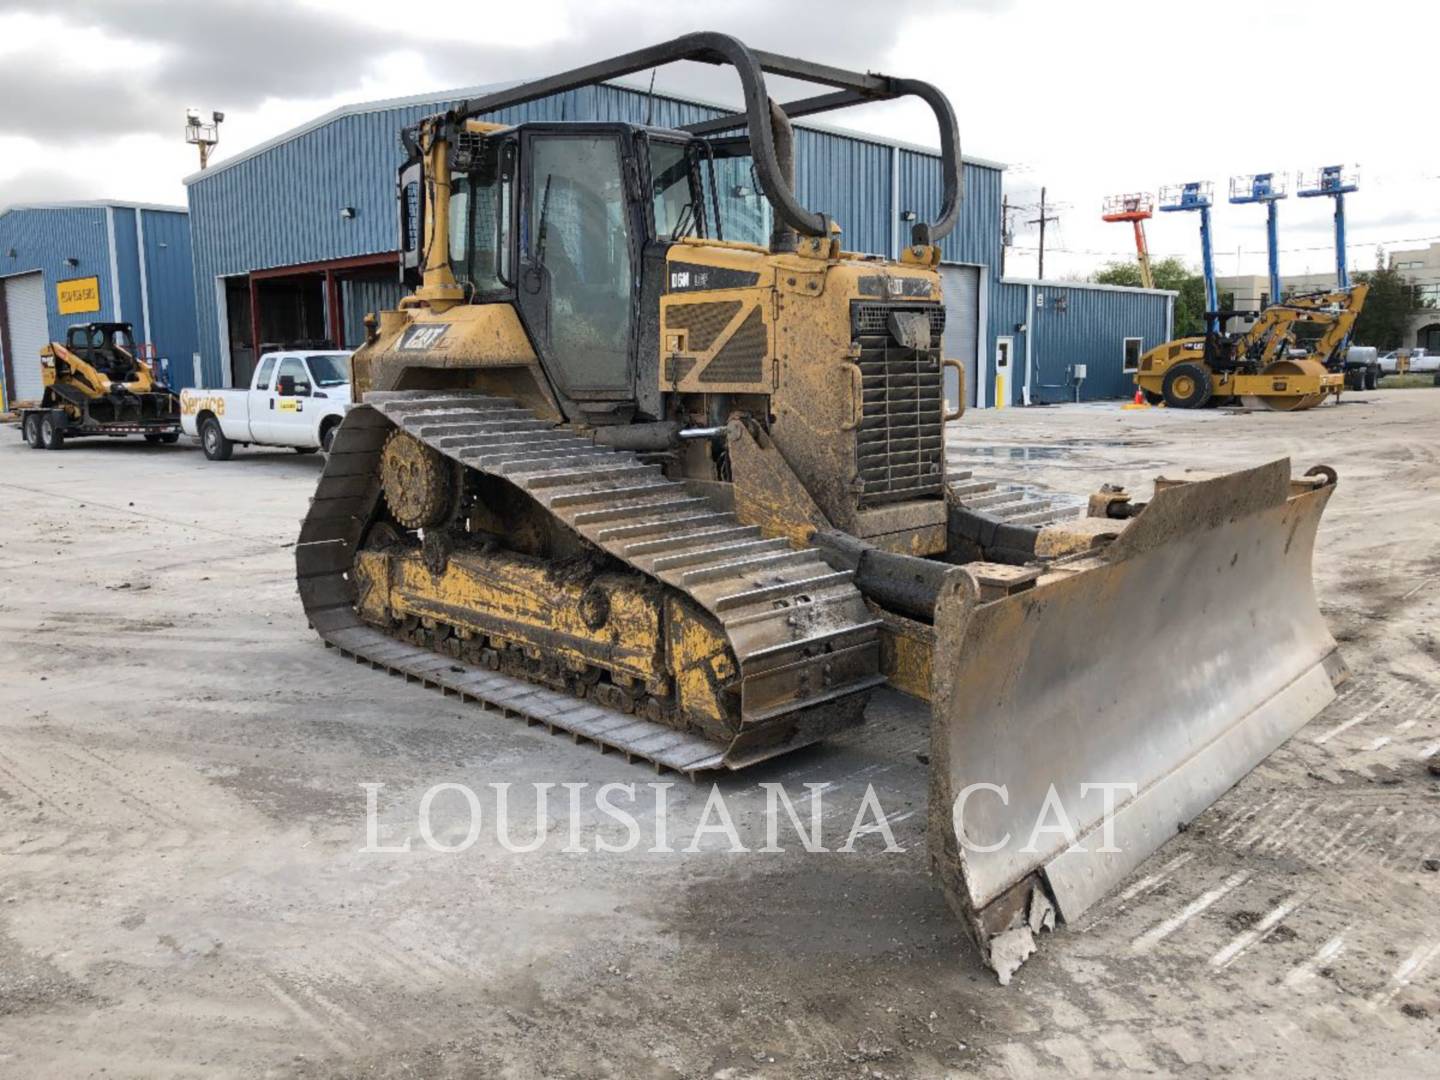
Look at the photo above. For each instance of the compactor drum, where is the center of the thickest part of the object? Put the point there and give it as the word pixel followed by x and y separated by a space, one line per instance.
pixel 616 468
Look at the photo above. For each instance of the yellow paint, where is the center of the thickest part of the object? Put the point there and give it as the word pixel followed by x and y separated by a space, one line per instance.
pixel 1000 399
pixel 1269 339
pixel 288 405
pixel 194 404
pixel 77 295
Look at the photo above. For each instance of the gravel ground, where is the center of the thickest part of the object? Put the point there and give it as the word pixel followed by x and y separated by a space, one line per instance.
pixel 185 887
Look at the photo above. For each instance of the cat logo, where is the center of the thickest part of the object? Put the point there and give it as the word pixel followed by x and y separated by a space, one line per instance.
pixel 421 338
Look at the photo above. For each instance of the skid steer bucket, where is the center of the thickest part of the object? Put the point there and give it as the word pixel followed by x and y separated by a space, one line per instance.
pixel 1080 724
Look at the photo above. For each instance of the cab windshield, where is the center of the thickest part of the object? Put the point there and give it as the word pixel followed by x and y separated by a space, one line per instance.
pixel 330 369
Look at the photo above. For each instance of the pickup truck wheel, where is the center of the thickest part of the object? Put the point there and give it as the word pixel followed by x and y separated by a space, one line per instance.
pixel 31 431
pixel 327 438
pixel 52 435
pixel 212 439
pixel 306 449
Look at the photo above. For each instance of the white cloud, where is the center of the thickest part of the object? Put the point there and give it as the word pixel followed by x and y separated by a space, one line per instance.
pixel 1087 99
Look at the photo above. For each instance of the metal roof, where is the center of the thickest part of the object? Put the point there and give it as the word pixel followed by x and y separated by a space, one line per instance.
pixel 1051 283
pixel 82 204
pixel 440 97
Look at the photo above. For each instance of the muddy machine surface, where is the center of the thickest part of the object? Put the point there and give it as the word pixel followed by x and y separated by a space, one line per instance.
pixel 622 467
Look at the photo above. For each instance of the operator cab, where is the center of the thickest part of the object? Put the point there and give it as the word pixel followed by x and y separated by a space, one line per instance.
pixel 570 222
pixel 109 348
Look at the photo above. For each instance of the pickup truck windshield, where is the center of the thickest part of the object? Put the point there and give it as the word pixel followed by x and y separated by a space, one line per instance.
pixel 330 369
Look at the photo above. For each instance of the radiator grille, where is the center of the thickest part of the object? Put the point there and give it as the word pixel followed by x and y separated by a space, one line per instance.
pixel 900 441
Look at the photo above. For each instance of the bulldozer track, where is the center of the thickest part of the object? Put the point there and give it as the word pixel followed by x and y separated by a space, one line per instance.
pixel 801 632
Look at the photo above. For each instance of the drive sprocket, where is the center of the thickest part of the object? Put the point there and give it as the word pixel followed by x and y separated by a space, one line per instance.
pixel 416 480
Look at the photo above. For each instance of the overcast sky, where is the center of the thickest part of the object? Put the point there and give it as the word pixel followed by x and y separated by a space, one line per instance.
pixel 1087 98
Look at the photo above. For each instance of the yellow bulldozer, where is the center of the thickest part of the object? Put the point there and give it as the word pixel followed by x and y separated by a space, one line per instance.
pixel 1267 365
pixel 618 468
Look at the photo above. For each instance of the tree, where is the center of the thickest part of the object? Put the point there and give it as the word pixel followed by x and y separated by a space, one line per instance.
pixel 1168 274
pixel 1386 314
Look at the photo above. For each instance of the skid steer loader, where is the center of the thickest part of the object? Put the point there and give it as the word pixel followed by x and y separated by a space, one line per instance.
pixel 619 469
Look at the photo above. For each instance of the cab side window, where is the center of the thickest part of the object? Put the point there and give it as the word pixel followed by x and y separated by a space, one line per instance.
pixel 294 378
pixel 267 368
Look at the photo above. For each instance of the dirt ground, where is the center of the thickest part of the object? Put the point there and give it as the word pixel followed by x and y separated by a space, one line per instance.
pixel 185 890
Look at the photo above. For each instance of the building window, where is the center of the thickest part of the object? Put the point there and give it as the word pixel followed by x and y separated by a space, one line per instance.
pixel 1132 353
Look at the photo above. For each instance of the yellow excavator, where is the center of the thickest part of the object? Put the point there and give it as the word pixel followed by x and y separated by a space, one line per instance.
pixel 1259 365
pixel 618 468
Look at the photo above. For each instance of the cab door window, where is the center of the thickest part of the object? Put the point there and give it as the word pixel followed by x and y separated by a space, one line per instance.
pixel 267 369
pixel 579 278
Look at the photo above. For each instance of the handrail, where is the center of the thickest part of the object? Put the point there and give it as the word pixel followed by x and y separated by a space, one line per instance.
pixel 751 65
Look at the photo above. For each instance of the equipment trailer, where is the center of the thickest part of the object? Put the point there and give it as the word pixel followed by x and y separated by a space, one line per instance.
pixel 97 384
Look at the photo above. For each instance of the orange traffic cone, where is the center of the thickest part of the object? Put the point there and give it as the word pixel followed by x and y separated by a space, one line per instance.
pixel 1139 402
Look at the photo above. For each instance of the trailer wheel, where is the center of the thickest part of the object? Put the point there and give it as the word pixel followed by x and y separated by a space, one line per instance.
pixel 52 435
pixel 31 430
pixel 212 439
pixel 1372 377
pixel 1186 386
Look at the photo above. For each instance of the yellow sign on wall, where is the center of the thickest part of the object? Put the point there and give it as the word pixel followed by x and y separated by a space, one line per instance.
pixel 77 295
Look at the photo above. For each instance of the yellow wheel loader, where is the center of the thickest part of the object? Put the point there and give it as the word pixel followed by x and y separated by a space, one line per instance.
pixel 1260 366
pixel 96 383
pixel 617 468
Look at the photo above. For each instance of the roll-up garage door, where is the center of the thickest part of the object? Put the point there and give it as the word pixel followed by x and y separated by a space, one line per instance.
pixel 961 285
pixel 29 333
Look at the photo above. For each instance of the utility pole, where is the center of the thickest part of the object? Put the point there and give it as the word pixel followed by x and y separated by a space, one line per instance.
pixel 1041 220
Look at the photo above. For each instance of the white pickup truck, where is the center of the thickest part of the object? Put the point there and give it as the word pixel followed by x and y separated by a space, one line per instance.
pixel 296 398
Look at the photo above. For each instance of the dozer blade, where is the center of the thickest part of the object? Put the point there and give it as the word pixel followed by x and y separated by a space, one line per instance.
pixel 1155 673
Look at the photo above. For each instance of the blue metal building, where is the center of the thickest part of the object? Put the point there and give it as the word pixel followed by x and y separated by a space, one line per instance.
pixel 68 263
pixel 296 239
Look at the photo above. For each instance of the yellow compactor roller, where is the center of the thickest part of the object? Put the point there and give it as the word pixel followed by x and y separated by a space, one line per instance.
pixel 1265 365
pixel 618 467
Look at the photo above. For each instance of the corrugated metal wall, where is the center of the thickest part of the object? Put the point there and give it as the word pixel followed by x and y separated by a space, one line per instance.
pixel 1069 324
pixel 44 237
pixel 281 207
pixel 170 286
